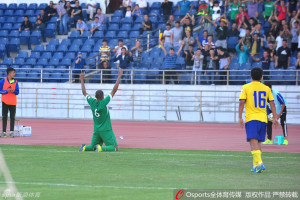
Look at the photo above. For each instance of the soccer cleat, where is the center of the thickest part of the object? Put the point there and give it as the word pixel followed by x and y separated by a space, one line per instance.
pixel 268 142
pixel 253 169
pixel 98 148
pixel 12 135
pixel 3 134
pixel 285 142
pixel 82 148
pixel 262 167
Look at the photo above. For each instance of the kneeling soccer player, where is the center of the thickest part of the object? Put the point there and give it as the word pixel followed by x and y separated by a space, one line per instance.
pixel 254 96
pixel 103 132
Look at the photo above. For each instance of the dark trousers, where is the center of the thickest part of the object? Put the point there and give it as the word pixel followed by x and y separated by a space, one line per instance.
pixel 282 123
pixel 171 75
pixel 76 77
pixel 223 77
pixel 12 111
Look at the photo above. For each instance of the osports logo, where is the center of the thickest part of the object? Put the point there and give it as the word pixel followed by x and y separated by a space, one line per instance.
pixel 179 194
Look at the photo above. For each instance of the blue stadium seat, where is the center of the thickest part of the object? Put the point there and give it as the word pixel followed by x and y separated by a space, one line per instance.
pixel 115 20
pixel 245 66
pixel 53 61
pixel 22 6
pixel 58 55
pixel 22 54
pixel 74 34
pixel 74 48
pixel 85 35
pixel 19 13
pixel 156 5
pixel 89 42
pixel 293 61
pixel 42 61
pixel 2 18
pixel 180 63
pixel 139 19
pixel 7 61
pixel 113 27
pixel 50 48
pixel 122 34
pixel 78 41
pixel 54 42
pixel 36 37
pixel 7 26
pixel 155 52
pixel 19 61
pixel 70 55
pixel 67 42
pixel 62 67
pixel 127 20
pixel 46 55
pixel 33 19
pixel 31 61
pixel 110 34
pixel 3 33
pixel 125 27
pixel 41 6
pixel 232 42
pixel 86 48
pixel 153 19
pixel 98 35
pixel 46 76
pixel 35 54
pixel 62 48
pixel 16 26
pixel 29 13
pixel 257 64
pixel 20 19
pixel 11 20
pixel 66 61
pixel 234 65
pixel 24 37
pixel 14 45
pixel 34 77
pixel 118 13
pixel 12 6
pixel 39 48
pixel 50 30
pixel 134 34
pixel 3 6
pixel 8 13
pixel 154 12
pixel 137 26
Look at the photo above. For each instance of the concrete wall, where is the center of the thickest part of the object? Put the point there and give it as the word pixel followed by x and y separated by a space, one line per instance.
pixel 144 102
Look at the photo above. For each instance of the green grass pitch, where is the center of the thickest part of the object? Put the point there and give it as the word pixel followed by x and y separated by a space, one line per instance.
pixel 58 172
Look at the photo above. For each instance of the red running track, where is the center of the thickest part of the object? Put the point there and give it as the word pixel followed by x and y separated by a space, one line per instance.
pixel 155 135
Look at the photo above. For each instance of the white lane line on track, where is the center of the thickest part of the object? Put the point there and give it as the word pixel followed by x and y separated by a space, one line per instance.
pixel 88 186
pixel 158 154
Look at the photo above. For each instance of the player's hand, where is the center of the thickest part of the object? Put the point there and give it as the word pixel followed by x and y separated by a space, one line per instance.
pixel 120 72
pixel 275 122
pixel 241 122
pixel 82 77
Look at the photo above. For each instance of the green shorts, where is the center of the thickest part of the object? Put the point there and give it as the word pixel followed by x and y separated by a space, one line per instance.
pixel 106 137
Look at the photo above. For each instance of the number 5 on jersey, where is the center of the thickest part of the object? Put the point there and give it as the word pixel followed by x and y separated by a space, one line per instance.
pixel 260 97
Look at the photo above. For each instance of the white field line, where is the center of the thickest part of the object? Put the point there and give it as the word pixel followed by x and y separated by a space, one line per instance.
pixel 89 186
pixel 11 188
pixel 157 154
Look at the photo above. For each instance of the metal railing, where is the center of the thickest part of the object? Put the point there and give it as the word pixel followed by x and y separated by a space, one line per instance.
pixel 151 76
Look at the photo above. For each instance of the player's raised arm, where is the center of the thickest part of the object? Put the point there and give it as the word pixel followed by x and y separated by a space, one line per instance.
pixel 115 89
pixel 82 84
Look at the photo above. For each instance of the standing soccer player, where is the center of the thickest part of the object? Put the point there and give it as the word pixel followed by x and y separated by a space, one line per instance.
pixel 9 89
pixel 103 132
pixel 254 96
pixel 280 105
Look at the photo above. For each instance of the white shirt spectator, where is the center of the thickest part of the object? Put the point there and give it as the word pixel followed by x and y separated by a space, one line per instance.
pixel 198 64
pixel 279 40
pixel 142 3
pixel 128 13
pixel 91 10
pixel 167 33
pixel 92 2
pixel 126 3
pixel 119 51
pixel 177 36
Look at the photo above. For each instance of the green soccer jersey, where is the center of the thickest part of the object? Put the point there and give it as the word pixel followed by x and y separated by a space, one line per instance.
pixel 269 7
pixel 100 112
pixel 234 10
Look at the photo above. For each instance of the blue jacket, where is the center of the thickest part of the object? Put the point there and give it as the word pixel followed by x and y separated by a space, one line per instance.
pixel 124 63
pixel 16 92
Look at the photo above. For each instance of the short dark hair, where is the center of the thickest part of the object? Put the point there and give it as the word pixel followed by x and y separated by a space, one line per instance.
pixel 191 45
pixel 99 94
pixel 168 24
pixel 25 16
pixel 171 49
pixel 120 40
pixel 198 49
pixel 10 69
pixel 284 40
pixel 256 73
pixel 177 22
pixel 104 40
pixel 96 17
pixel 123 48
pixel 269 85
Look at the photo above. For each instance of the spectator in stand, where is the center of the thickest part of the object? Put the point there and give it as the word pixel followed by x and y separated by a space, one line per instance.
pixel 69 9
pixel 207 24
pixel 40 26
pixel 215 9
pixel 104 4
pixel 188 57
pixel 81 26
pixel 252 22
pixel 203 9
pixel 241 16
pixel 91 8
pixel 124 6
pixel 256 44
pixel 137 51
pixel 210 64
pixel 287 35
pixel 294 25
pixel 275 29
pixel 202 40
pixel 293 5
pixel 233 32
pixel 224 62
pixel 77 11
pixel 43 16
pixel 283 56
pixel 177 33
pixel 298 61
pixel 63 19
pixel 221 33
pixel 242 52
pixel 170 64
pixel 234 10
pixel 95 26
pixel 171 21
pixel 106 72
pixel 137 11
pixel 282 9
pixel 248 38
pixel 124 58
pixel 80 65
pixel 188 40
pixel 100 16
pixel 185 7
pixel 205 50
pixel 147 24
pixel 168 37
pixel 252 8
pixel 242 28
pixel 50 11
pixel 265 63
pixel 258 29
pixel 128 12
pixel 62 2
pixel 269 7
pixel 197 60
pixel 143 5
pixel 167 9
pixel 26 25
pixel 210 42
pixel 271 50
pixel 118 49
pixel 279 40
pixel 104 53
pixel 187 25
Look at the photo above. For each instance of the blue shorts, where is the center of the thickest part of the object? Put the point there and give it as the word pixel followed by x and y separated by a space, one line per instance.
pixel 256 130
